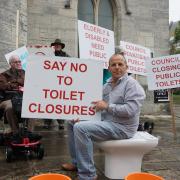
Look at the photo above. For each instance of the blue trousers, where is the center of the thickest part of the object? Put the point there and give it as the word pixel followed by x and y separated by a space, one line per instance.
pixel 80 139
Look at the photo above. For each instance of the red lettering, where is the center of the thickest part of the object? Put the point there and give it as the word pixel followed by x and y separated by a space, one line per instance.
pixel 66 80
pixel 58 109
pixel 39 109
pixel 78 67
pixel 31 107
pixel 75 110
pixel 47 64
pixel 45 95
pixel 49 108
pixel 91 111
pixel 83 110
pixel 61 109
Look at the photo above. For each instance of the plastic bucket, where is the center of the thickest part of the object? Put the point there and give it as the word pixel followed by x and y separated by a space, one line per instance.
pixel 50 176
pixel 143 176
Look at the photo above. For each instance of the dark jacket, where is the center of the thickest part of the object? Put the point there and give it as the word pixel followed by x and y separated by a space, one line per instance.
pixel 12 79
pixel 61 53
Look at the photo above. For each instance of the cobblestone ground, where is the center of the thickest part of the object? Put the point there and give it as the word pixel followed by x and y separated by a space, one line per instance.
pixel 164 160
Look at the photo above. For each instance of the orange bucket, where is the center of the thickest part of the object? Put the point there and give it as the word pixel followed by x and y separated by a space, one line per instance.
pixel 143 176
pixel 50 176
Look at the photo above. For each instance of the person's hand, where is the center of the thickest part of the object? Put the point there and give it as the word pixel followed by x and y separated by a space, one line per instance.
pixel 100 105
pixel 21 88
pixel 75 120
pixel 13 81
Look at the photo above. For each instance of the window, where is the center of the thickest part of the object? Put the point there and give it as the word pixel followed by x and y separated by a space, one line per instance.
pixel 99 12
pixel 85 11
pixel 105 14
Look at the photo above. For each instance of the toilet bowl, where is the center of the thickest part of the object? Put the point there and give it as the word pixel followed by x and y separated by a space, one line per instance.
pixel 125 156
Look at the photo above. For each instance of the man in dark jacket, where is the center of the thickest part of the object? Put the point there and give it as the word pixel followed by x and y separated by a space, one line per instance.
pixel 11 80
pixel 58 46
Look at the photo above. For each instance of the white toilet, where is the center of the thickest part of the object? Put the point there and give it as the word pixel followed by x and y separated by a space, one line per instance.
pixel 125 156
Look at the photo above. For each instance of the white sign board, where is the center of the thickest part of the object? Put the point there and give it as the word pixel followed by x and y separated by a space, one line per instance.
pixel 22 53
pixel 95 42
pixel 163 72
pixel 136 56
pixel 62 88
pixel 40 50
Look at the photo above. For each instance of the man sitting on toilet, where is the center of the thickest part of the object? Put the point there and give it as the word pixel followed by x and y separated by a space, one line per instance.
pixel 122 99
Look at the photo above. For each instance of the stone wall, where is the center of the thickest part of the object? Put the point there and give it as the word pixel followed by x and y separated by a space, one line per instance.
pixel 8 11
pixel 48 21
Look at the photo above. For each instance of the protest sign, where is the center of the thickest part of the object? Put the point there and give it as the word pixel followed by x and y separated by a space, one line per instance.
pixel 40 50
pixel 136 56
pixel 163 72
pixel 95 42
pixel 62 88
pixel 22 52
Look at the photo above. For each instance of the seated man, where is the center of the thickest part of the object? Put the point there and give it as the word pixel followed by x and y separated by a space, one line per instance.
pixel 122 99
pixel 12 80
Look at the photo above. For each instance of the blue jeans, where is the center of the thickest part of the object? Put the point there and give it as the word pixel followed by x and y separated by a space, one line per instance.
pixel 80 139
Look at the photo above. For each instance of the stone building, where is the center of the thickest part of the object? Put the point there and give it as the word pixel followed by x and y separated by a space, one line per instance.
pixel 143 22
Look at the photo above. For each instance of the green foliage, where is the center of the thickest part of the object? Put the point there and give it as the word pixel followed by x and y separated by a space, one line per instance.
pixel 177 51
pixel 176 91
pixel 173 49
pixel 177 33
pixel 176 99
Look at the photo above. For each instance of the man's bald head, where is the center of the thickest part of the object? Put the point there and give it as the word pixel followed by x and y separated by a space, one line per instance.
pixel 118 56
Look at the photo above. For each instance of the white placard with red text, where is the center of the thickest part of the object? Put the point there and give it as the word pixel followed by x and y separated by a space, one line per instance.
pixel 95 42
pixel 136 56
pixel 62 88
pixel 163 72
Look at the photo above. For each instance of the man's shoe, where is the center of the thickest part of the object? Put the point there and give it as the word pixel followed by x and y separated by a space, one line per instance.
pixel 69 167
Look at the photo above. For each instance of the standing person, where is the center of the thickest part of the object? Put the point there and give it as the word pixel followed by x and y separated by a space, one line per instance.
pixel 122 99
pixel 58 46
pixel 12 80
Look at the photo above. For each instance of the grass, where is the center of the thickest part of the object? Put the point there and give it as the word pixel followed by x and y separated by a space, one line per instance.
pixel 176 99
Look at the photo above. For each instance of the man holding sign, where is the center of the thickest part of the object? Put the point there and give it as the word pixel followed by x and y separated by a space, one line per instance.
pixel 120 107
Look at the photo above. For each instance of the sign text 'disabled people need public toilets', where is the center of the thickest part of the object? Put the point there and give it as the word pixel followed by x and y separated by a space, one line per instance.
pixel 57 87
